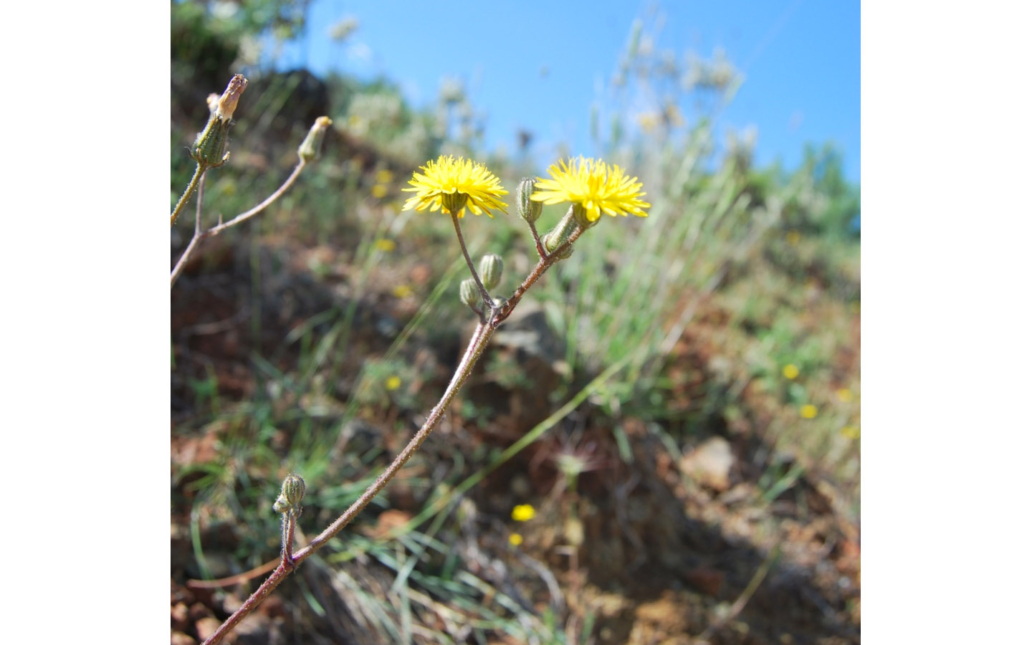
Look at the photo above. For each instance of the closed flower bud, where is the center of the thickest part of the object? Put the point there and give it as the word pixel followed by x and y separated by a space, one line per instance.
pixel 291 494
pixel 561 232
pixel 310 147
pixel 529 209
pixel 491 270
pixel 469 293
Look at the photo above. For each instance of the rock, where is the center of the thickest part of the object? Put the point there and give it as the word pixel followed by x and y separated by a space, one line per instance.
pixel 710 464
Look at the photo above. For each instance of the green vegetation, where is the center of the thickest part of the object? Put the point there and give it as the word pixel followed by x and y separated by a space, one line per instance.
pixel 316 338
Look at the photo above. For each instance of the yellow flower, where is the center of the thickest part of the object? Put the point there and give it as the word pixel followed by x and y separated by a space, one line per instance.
pixel 523 512
pixel 808 411
pixel 402 291
pixel 384 245
pixel 452 185
pixel 384 176
pixel 850 432
pixel 379 191
pixel 515 539
pixel 790 371
pixel 845 395
pixel 393 383
pixel 595 186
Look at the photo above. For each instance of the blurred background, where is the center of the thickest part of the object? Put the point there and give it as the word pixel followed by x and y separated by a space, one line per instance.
pixel 687 386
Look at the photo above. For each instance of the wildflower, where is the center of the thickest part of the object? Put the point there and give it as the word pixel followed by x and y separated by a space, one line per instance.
pixel 515 539
pixel 393 383
pixel 850 432
pixel 808 411
pixel 384 245
pixel 402 291
pixel 593 185
pixel 452 185
pixel 379 191
pixel 384 176
pixel 522 512
pixel 790 371
pixel 845 395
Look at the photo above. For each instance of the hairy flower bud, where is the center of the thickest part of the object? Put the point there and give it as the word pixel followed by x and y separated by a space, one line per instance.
pixel 529 209
pixel 291 494
pixel 469 293
pixel 491 270
pixel 312 145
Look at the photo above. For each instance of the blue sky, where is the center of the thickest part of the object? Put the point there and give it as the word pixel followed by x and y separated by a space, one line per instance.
pixel 800 58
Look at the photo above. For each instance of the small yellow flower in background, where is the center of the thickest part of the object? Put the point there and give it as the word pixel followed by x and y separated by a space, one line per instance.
pixel 515 539
pixel 850 432
pixel 379 191
pixel 595 185
pixel 384 176
pixel 522 512
pixel 648 121
pixel 453 185
pixel 402 291
pixel 808 411
pixel 845 395
pixel 792 237
pixel 384 245
pixel 790 371
pixel 393 383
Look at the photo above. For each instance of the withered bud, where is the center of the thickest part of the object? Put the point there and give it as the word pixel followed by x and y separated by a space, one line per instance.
pixel 228 102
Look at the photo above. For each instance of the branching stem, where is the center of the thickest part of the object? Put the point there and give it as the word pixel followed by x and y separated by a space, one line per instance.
pixel 239 219
pixel 477 344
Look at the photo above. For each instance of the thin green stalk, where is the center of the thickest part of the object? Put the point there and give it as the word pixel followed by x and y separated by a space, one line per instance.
pixel 190 188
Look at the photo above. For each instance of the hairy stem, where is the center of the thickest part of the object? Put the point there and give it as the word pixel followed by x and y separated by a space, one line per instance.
pixel 190 188
pixel 488 303
pixel 476 347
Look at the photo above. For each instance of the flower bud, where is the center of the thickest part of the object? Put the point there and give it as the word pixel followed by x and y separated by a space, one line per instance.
pixel 561 232
pixel 311 146
pixel 291 494
pixel 491 270
pixel 469 293
pixel 529 209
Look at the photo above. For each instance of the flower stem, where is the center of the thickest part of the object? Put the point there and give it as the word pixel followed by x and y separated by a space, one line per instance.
pixel 190 188
pixel 488 303
pixel 476 347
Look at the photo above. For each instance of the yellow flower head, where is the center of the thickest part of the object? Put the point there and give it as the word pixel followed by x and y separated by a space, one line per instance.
pixel 393 383
pixel 515 539
pixel 790 371
pixel 808 411
pixel 522 512
pixel 594 185
pixel 452 185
